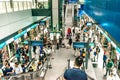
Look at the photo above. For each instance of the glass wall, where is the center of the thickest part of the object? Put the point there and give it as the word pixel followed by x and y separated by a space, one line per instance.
pixel 3 7
pixel 7 6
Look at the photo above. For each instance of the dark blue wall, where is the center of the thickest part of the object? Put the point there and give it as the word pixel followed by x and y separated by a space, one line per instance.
pixel 107 14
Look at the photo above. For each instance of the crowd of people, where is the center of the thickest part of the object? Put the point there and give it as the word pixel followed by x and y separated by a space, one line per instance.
pixel 87 34
pixel 40 53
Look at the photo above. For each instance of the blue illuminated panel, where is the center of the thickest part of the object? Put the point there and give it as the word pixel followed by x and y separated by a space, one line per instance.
pixel 107 14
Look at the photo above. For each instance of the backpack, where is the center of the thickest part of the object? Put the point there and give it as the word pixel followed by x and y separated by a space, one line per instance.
pixel 110 64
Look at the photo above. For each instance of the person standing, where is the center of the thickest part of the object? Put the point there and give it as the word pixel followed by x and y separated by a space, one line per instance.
pixel 57 44
pixel 73 31
pixel 70 41
pixel 109 66
pixel 95 54
pixel 17 54
pixel 104 60
pixel 60 41
pixel 37 53
pixel 75 73
pixel 69 31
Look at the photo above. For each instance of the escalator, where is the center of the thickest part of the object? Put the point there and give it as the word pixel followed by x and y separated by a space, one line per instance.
pixel 70 65
pixel 35 75
pixel 69 14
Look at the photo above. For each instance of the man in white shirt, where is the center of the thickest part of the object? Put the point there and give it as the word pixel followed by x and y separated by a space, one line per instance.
pixel 17 69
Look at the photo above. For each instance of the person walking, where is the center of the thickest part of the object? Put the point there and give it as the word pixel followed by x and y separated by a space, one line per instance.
pixel 109 67
pixel 76 73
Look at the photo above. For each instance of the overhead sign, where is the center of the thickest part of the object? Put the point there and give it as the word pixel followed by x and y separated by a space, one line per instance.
pixel 36 43
pixel 79 44
pixel 91 44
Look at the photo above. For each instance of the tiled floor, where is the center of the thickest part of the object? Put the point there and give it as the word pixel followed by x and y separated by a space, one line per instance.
pixel 59 63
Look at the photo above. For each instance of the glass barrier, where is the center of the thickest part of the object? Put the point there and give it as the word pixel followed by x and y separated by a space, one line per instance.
pixel 2 7
pixel 25 5
pixel 20 5
pixel 40 5
pixel 6 6
pixel 15 5
pixel 29 5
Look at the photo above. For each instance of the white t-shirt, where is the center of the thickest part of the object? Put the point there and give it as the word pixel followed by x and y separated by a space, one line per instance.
pixel 18 70
pixel 12 64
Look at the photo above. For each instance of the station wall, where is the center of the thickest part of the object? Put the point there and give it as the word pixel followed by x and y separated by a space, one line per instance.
pixel 107 14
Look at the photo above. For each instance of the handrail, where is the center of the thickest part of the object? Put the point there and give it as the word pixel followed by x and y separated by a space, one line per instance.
pixel 29 63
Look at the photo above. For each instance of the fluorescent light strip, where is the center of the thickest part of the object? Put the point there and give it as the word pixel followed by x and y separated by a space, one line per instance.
pixel 2 45
pixel 28 29
pixel 113 44
pixel 9 41
pixel 118 49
